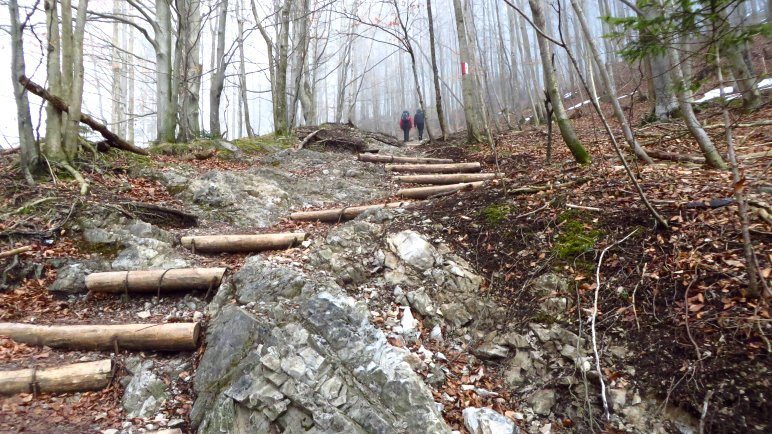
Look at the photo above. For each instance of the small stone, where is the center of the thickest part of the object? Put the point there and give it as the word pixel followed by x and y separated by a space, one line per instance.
pixel 144 314
pixel 109 431
pixel 542 401
pixel 487 421
pixel 436 333
pixel 197 316
pixel 408 322
pixel 488 351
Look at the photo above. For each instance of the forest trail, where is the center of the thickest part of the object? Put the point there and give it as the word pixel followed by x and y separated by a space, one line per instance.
pixel 357 297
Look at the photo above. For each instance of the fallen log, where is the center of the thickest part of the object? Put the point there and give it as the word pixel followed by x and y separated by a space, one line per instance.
pixel 370 158
pixel 434 168
pixel 427 192
pixel 242 243
pixel 177 336
pixel 342 214
pixel 77 377
pixel 453 178
pixel 672 156
pixel 113 139
pixel 180 279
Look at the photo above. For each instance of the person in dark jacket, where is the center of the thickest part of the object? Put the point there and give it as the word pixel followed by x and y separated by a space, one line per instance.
pixel 419 121
pixel 406 123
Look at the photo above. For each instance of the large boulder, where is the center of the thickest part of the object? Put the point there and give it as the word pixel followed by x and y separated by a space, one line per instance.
pixel 304 359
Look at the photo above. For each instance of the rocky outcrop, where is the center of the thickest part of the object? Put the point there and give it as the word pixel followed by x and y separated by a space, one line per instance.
pixel 296 354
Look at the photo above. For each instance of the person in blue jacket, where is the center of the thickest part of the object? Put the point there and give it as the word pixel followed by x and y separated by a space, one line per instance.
pixel 419 121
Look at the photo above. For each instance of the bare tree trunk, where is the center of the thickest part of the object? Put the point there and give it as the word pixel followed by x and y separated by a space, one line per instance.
pixel 218 78
pixel 533 93
pixel 188 67
pixel 130 92
pixel 744 78
pixel 684 95
pixel 474 127
pixel 243 73
pixel 118 109
pixel 30 152
pixel 52 148
pixel 280 116
pixel 72 131
pixel 550 81
pixel 607 83
pixel 436 74
pixel 662 85
pixel 165 111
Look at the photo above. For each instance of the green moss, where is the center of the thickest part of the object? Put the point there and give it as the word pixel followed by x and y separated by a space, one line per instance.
pixel 106 250
pixel 262 144
pixel 495 213
pixel 575 239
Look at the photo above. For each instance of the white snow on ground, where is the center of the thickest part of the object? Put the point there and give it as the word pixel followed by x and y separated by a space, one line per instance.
pixel 729 91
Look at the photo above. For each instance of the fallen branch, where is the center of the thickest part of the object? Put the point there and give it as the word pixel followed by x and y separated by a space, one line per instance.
pixel 342 214
pixel 181 279
pixel 242 243
pixel 672 156
pixel 15 252
pixel 113 139
pixel 582 207
pixel 307 139
pixel 77 377
pixel 178 336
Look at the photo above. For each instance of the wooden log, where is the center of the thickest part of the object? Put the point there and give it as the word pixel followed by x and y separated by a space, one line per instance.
pixel 453 178
pixel 434 168
pixel 370 158
pixel 342 214
pixel 14 252
pixel 77 377
pixel 427 192
pixel 177 336
pixel 180 279
pixel 113 139
pixel 242 243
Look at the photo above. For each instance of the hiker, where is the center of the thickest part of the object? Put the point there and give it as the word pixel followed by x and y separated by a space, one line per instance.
pixel 419 123
pixel 406 123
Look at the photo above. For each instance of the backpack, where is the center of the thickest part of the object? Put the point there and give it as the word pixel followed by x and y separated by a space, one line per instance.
pixel 404 119
pixel 419 117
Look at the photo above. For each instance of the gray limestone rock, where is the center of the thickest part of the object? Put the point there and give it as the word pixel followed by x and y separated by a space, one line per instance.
pixel 145 392
pixel 487 421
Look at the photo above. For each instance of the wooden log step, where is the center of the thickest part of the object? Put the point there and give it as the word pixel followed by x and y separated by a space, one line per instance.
pixel 372 158
pixel 77 377
pixel 453 178
pixel 427 192
pixel 242 243
pixel 435 168
pixel 342 214
pixel 177 336
pixel 175 279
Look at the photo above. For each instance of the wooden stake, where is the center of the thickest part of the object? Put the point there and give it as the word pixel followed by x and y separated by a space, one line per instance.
pixel 342 214
pixel 77 377
pixel 178 336
pixel 242 243
pixel 179 279
pixel 453 178
pixel 427 192
pixel 434 168
pixel 371 158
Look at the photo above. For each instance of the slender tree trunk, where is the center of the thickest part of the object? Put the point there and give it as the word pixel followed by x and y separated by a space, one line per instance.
pixel 662 85
pixel 53 149
pixel 533 92
pixel 684 95
pixel 130 91
pixel 166 114
pixel 118 108
pixel 474 127
pixel 72 131
pixel 550 81
pixel 243 75
pixel 436 74
pixel 280 117
pixel 607 83
pixel 30 152
pixel 744 77
pixel 218 78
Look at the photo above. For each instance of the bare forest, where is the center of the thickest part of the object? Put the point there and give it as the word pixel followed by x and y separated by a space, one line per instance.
pixel 407 216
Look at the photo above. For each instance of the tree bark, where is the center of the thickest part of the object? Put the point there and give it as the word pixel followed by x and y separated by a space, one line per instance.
pixel 550 80
pixel 436 74
pixel 151 281
pixel 218 78
pixel 440 190
pixel 53 148
pixel 243 76
pixel 434 168
pixel 76 377
pixel 72 132
pixel 177 336
pixel 280 116
pixel 166 116
pixel 242 243
pixel 189 68
pixel 117 115
pixel 474 127
pixel 661 83
pixel 29 148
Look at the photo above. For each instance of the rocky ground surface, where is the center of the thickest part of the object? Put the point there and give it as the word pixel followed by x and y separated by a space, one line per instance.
pixel 379 324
